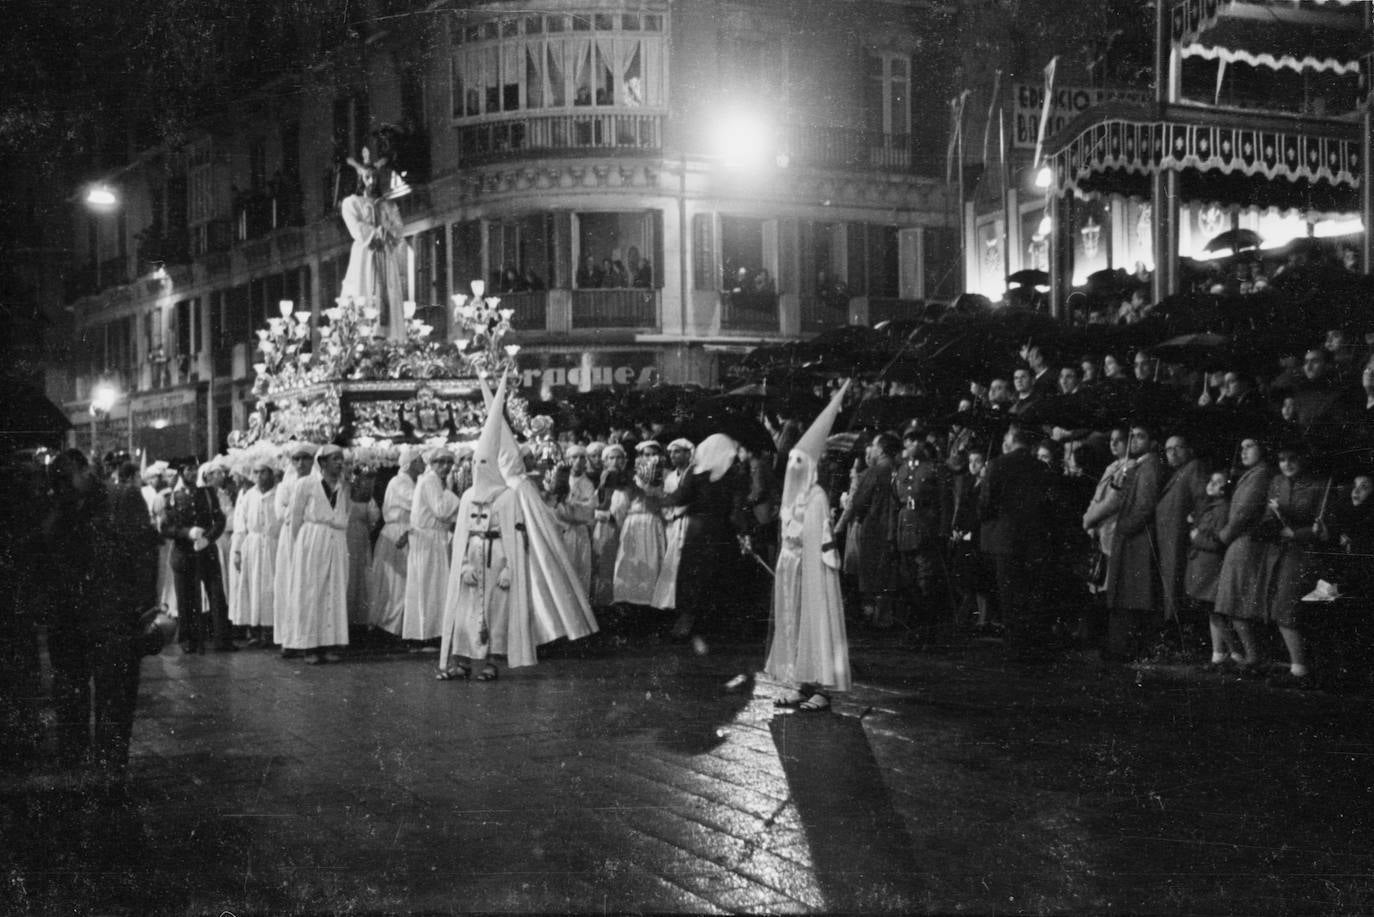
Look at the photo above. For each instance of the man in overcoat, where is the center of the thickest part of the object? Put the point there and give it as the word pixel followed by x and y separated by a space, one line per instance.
pixel 1012 508
pixel 1184 490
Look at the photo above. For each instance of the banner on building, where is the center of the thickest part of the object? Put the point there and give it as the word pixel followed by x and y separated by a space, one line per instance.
pixel 1068 103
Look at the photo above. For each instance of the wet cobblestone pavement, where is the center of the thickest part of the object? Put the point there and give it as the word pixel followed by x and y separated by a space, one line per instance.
pixel 640 778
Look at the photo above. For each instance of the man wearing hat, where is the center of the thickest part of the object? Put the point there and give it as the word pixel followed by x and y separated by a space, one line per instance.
pixel 389 557
pixel 922 522
pixel 433 509
pixel 193 521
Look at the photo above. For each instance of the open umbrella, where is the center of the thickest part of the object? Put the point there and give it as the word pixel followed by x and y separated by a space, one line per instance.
pixel 1029 278
pixel 1234 240
pixel 1204 350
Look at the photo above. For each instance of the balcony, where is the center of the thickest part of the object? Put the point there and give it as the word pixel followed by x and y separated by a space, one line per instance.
pixel 531 309
pixel 614 309
pixel 819 313
pixel 562 134
pixel 847 148
pixel 749 311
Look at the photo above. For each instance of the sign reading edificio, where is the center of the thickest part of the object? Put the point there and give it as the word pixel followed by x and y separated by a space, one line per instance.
pixel 1069 103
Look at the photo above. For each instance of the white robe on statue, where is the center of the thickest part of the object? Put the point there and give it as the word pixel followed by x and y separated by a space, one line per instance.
pixel 432 512
pixel 387 601
pixel 640 554
pixel 675 526
pixel 319 568
pixel 257 526
pixel 376 263
pixel 362 516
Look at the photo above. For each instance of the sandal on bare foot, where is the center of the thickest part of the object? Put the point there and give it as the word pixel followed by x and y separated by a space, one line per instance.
pixel 454 672
pixel 488 673
pixel 816 703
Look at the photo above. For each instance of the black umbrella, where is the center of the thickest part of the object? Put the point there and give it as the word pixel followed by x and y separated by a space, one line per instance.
pixel 1205 350
pixel 1234 240
pixel 1029 278
pixel 891 412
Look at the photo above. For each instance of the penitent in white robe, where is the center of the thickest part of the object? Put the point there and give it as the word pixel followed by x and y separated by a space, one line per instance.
pixel 640 554
pixel 675 526
pixel 319 568
pixel 283 611
pixel 809 644
pixel 257 526
pixel 362 516
pixel 432 511
pixel 477 614
pixel 387 601
pixel 166 594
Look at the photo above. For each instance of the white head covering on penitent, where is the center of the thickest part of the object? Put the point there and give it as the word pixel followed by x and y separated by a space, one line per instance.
pixel 487 481
pixel 804 460
pixel 715 455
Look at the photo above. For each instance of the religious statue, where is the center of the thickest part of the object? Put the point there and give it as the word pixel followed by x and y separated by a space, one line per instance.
pixel 376 263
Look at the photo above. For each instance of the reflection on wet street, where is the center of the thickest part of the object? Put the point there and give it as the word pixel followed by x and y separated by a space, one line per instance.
pixel 649 778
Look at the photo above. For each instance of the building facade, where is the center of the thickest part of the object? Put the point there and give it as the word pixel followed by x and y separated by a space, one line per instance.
pixel 655 188
pixel 1259 124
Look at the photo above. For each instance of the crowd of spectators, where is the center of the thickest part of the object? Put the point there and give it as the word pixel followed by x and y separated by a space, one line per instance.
pixel 635 272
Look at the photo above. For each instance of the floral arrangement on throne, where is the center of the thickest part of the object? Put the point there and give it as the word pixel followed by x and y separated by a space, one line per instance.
pixel 349 345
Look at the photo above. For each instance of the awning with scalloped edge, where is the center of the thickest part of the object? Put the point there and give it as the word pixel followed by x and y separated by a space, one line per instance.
pixel 1229 165
pixel 1301 35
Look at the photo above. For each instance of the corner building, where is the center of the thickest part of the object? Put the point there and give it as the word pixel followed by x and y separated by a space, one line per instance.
pixel 777 167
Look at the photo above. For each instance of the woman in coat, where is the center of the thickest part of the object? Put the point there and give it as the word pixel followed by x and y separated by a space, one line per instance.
pixel 1290 522
pixel 873 510
pixel 1205 552
pixel 1240 594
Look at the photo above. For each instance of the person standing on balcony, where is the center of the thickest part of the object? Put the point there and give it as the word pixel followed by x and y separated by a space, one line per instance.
pixel 376 261
pixel 589 276
pixel 641 272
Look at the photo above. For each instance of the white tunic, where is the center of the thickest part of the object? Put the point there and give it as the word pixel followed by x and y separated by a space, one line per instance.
pixel 319 568
pixel 362 516
pixel 387 601
pixel 575 517
pixel 640 554
pixel 224 545
pixel 283 610
pixel 675 526
pixel 257 526
pixel 166 594
pixel 432 511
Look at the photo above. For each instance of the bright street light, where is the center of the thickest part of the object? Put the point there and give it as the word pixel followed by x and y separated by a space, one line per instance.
pixel 1043 177
pixel 104 397
pixel 744 138
pixel 101 196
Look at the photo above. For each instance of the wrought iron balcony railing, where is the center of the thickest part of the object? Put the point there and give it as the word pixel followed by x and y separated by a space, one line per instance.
pixel 561 134
pixel 614 308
